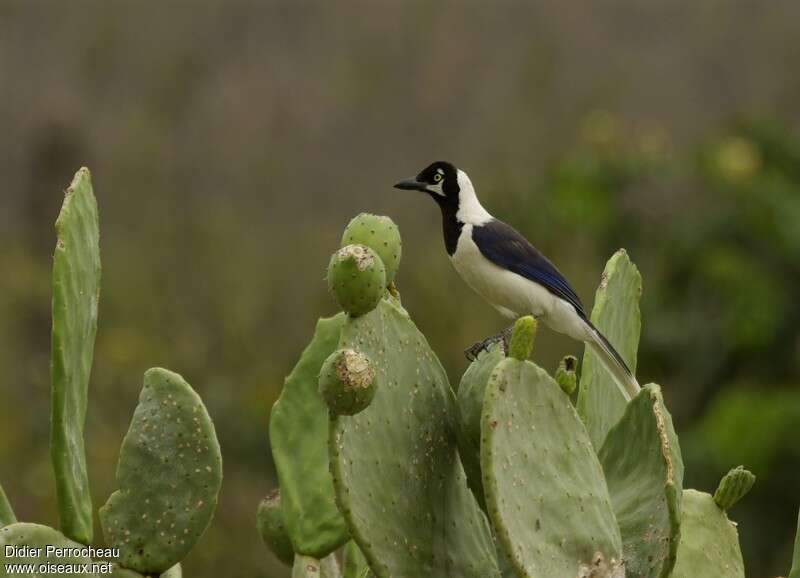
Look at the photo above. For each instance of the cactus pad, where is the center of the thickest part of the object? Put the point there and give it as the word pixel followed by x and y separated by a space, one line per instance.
pixel 545 491
pixel 398 479
pixel 347 382
pixel 38 536
pixel 380 234
pixel 469 401
pixel 169 473
pixel 76 293
pixel 272 528
pixel 298 432
pixel 736 484
pixel 644 471
pixel 6 512
pixel 709 545
pixel 616 314
pixel 356 278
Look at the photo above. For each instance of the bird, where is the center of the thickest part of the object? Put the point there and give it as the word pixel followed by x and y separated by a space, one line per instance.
pixel 504 268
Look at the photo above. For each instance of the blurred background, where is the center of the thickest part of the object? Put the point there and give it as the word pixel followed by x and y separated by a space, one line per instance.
pixel 230 143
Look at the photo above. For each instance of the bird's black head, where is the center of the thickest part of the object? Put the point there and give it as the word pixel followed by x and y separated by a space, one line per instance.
pixel 439 180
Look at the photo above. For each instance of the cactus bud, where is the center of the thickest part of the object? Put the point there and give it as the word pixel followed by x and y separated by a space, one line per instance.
pixel 357 279
pixel 379 234
pixel 565 374
pixel 734 486
pixel 522 338
pixel 269 520
pixel 347 382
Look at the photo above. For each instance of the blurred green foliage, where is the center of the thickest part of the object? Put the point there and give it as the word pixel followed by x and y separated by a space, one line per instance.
pixel 231 142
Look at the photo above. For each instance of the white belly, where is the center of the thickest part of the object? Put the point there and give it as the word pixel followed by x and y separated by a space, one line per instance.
pixel 512 294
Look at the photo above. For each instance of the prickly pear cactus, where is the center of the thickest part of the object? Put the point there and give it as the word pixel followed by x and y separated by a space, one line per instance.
pixel 396 472
pixel 644 471
pixel 76 292
pixel 169 473
pixel 380 234
pixel 298 432
pixel 733 487
pixel 356 278
pixel 38 537
pixel 545 491
pixel 565 376
pixel 6 512
pixel 347 381
pixel 272 528
pixel 469 402
pixel 709 544
pixel 616 315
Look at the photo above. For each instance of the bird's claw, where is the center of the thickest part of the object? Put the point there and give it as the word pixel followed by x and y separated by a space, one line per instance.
pixel 474 350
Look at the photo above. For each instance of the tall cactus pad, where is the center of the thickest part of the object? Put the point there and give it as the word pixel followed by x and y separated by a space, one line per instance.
pixel 308 567
pixel 545 490
pixel 396 472
pixel 644 471
pixel 169 474
pixel 795 571
pixel 709 545
pixel 6 512
pixel 38 536
pixel 76 293
pixel 356 278
pixel 469 400
pixel 272 528
pixel 616 314
pixel 380 234
pixel 298 431
pixel 736 484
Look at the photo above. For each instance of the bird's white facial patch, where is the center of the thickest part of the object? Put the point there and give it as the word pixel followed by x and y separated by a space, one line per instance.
pixel 470 209
pixel 436 189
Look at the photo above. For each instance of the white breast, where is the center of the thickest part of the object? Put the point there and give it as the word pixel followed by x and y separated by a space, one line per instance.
pixel 511 294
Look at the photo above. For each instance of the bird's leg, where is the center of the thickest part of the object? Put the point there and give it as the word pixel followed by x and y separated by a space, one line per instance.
pixel 472 352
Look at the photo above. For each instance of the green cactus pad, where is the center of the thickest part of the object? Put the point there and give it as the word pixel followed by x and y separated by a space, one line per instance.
pixel 469 402
pixel 309 567
pixel 709 544
pixel 644 471
pixel 6 512
pixel 76 293
pixel 357 279
pixel 40 537
pixel 795 571
pixel 298 432
pixel 522 338
pixel 272 528
pixel 616 315
pixel 355 565
pixel 169 475
pixel 380 234
pixel 398 479
pixel 545 491
pixel 736 484
pixel 347 382
pixel 565 374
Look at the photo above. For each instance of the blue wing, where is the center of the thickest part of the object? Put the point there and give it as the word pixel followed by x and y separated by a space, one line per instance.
pixel 505 247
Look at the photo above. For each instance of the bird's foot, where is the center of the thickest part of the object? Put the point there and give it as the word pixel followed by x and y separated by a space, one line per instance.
pixel 474 350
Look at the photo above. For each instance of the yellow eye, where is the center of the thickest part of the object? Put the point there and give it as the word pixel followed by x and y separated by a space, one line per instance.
pixel 437 177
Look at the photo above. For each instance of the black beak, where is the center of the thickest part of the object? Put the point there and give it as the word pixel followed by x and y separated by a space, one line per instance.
pixel 411 185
